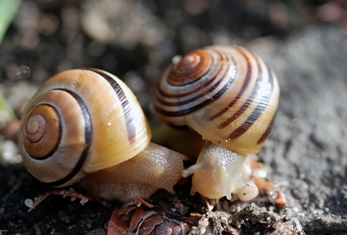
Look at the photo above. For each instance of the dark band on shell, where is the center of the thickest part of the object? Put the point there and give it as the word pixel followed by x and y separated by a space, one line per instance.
pixel 217 74
pixel 88 140
pixel 124 102
pixel 65 119
pixel 262 104
pixel 32 117
pixel 232 94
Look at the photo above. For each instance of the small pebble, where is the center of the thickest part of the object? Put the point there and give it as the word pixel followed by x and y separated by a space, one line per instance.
pixel 24 72
pixel 29 203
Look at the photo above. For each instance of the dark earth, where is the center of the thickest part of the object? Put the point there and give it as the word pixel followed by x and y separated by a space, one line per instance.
pixel 304 41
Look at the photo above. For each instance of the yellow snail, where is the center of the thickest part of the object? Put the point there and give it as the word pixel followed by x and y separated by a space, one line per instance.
pixel 86 125
pixel 229 96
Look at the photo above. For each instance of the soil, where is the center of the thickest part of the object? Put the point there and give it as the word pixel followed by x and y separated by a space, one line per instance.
pixel 306 155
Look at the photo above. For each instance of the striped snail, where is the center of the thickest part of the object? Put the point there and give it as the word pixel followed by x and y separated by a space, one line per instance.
pixel 86 125
pixel 229 96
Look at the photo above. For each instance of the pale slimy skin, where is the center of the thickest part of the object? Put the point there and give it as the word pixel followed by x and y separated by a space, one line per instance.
pixel 220 172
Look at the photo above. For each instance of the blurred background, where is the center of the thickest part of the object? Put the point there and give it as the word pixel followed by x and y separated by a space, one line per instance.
pixel 136 39
pixel 305 42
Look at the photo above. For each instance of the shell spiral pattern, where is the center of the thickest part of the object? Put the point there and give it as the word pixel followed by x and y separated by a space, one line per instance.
pixel 226 93
pixel 73 123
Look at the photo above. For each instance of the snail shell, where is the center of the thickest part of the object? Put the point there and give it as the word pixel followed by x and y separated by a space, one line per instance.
pixel 225 93
pixel 85 121
pixel 229 96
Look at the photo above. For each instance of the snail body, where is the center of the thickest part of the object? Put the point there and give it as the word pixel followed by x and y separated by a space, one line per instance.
pixel 229 96
pixel 87 121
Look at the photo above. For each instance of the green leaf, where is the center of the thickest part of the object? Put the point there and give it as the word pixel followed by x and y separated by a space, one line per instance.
pixel 8 10
pixel 6 111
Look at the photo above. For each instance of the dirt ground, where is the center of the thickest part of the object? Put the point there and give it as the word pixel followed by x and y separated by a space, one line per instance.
pixel 304 41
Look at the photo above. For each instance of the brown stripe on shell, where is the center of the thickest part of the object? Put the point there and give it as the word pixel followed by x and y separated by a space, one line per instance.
pixel 267 132
pixel 53 148
pixel 237 97
pixel 196 107
pixel 208 82
pixel 184 102
pixel 269 128
pixel 181 95
pixel 250 99
pixel 127 111
pixel 256 112
pixel 88 140
pixel 191 68
pixel 226 59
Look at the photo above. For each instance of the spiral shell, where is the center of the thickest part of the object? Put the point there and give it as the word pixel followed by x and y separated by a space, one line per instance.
pixel 225 93
pixel 74 122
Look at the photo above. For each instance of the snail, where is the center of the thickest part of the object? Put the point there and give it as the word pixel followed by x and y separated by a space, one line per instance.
pixel 229 96
pixel 86 126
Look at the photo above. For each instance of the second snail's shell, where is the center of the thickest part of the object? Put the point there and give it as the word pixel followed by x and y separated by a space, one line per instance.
pixel 74 122
pixel 225 93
